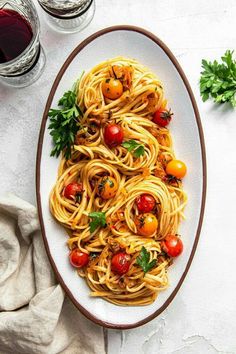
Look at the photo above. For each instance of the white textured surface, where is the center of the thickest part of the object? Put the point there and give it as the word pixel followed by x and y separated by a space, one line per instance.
pixel 202 318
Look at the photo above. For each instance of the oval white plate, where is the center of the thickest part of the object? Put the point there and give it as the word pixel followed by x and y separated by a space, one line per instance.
pixel 188 144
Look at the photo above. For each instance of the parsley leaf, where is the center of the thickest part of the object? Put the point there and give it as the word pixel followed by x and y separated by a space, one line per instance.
pixel 143 260
pixel 218 80
pixel 139 151
pixel 64 123
pixel 134 147
pixel 98 219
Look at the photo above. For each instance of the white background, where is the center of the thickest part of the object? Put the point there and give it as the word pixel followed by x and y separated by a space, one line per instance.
pixel 202 317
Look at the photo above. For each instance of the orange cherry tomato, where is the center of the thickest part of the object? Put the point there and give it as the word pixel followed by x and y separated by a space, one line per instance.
pixel 176 168
pixel 112 88
pixel 146 224
pixel 172 245
pixel 107 187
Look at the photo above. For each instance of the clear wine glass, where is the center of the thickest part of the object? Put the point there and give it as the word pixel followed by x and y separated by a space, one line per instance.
pixel 22 58
pixel 68 16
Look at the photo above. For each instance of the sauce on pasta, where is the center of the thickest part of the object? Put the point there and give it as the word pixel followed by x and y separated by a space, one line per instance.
pixel 123 204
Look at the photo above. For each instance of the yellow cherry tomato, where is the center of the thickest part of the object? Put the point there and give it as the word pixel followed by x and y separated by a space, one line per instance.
pixel 176 168
pixel 146 224
pixel 112 88
pixel 107 187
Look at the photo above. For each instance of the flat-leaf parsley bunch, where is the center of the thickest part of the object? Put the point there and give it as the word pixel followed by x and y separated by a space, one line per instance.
pixel 64 122
pixel 218 80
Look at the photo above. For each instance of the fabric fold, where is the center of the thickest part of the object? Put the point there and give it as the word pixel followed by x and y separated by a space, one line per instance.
pixel 35 316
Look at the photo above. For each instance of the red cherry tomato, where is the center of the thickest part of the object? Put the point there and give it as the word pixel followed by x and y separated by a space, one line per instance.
pixel 145 203
pixel 162 117
pixel 73 189
pixel 78 259
pixel 113 135
pixel 172 245
pixel 120 263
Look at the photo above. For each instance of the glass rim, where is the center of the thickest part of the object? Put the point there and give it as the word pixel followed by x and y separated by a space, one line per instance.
pixel 35 35
pixel 69 17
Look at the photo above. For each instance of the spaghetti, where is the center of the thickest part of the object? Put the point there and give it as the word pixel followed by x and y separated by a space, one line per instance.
pixel 112 176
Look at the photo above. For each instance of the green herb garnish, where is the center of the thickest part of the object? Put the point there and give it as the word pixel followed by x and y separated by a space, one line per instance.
pixel 78 197
pixel 134 147
pixel 143 260
pixel 98 219
pixel 93 255
pixel 64 122
pixel 218 80
pixel 101 184
pixel 111 183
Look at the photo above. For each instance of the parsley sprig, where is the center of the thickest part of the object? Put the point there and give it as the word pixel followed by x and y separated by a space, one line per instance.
pixel 134 147
pixel 98 219
pixel 64 124
pixel 143 260
pixel 218 80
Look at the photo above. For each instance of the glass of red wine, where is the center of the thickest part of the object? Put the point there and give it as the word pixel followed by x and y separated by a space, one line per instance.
pixel 22 58
pixel 68 16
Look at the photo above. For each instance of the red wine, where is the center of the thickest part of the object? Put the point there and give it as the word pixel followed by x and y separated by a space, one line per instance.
pixel 15 34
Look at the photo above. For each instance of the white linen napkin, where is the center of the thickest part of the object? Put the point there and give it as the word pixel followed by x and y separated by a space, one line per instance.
pixel 35 315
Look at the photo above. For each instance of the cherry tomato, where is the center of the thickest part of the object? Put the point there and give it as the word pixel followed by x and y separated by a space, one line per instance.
pixel 146 224
pixel 145 203
pixel 113 135
pixel 120 263
pixel 73 189
pixel 162 117
pixel 172 245
pixel 176 168
pixel 78 259
pixel 107 187
pixel 112 88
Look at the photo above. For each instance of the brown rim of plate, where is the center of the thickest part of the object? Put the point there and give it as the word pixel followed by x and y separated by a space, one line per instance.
pixel 39 153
